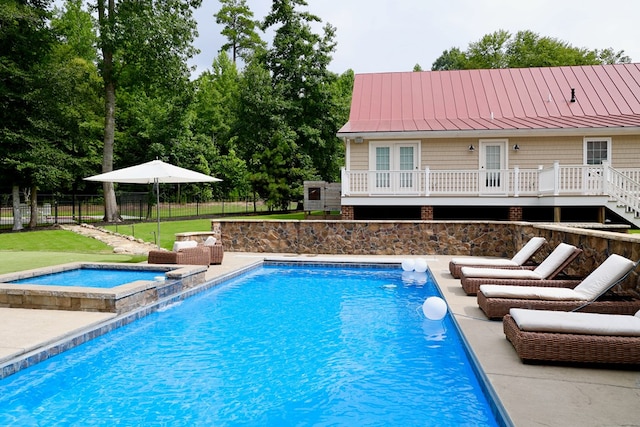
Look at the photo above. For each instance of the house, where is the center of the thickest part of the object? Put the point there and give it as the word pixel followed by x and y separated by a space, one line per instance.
pixel 533 144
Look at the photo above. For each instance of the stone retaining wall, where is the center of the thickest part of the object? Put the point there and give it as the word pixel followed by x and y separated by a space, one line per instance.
pixel 477 238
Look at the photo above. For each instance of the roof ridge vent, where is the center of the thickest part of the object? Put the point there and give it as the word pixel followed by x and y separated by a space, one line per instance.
pixel 573 95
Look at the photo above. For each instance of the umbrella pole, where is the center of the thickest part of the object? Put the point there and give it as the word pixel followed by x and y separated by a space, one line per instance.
pixel 157 184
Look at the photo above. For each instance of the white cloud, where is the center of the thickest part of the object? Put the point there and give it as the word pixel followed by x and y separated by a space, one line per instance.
pixel 394 35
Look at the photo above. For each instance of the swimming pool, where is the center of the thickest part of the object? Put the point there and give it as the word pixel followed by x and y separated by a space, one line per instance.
pixel 88 286
pixel 285 345
pixel 93 277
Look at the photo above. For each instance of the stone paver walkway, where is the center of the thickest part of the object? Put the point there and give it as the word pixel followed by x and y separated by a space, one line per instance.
pixel 121 244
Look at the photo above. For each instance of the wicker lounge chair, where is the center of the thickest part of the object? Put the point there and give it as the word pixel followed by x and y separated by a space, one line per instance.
pixel 522 259
pixel 589 338
pixel 543 275
pixel 496 300
pixel 216 253
pixel 188 256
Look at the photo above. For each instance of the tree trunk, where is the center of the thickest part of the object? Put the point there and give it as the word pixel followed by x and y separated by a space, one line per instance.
pixel 33 221
pixel 106 22
pixel 17 214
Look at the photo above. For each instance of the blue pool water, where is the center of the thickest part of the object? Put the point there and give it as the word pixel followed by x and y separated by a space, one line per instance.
pixel 278 346
pixel 91 277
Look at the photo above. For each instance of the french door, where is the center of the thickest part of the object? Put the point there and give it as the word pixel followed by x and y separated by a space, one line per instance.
pixel 395 167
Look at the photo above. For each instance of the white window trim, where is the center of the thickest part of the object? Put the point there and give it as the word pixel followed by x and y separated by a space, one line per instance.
pixel 589 139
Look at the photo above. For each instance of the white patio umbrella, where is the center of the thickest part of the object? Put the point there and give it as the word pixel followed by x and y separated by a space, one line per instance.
pixel 154 172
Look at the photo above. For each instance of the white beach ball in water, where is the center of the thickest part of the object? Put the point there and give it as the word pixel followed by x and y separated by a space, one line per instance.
pixel 434 308
pixel 408 265
pixel 420 265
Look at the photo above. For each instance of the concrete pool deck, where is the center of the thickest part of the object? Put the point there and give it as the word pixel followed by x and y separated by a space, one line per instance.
pixel 532 395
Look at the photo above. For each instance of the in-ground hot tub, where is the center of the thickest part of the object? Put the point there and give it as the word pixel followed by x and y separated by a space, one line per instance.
pixel 90 295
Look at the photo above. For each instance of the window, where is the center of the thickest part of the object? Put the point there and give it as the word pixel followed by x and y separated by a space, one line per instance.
pixel 315 193
pixel 597 150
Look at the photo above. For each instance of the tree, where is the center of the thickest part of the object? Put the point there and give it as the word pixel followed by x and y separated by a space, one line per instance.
pixel 526 49
pixel 452 59
pixel 77 90
pixel 28 156
pixel 215 119
pixel 297 62
pixel 143 42
pixel 239 29
pixel 490 51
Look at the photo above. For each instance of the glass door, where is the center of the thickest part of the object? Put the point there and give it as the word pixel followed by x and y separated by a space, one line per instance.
pixel 407 166
pixel 596 152
pixel 383 166
pixel 492 165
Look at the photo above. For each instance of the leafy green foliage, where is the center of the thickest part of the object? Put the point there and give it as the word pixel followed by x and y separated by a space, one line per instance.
pixel 239 29
pixel 501 49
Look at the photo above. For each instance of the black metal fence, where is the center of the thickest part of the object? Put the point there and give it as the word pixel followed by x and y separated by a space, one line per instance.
pixel 133 207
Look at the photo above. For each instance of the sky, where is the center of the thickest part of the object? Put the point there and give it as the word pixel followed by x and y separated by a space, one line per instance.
pixel 395 35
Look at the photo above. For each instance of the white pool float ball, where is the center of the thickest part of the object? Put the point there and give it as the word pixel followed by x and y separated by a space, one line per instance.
pixel 408 265
pixel 434 308
pixel 420 265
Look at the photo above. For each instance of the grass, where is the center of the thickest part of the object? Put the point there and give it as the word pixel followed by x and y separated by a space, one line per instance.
pixel 41 248
pixel 147 230
pixel 34 249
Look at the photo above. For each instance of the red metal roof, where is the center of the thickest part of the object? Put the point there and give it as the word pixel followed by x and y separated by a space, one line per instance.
pixel 498 99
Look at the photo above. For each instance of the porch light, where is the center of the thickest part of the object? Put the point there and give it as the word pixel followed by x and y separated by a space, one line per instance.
pixel 359 140
pixel 516 147
pixel 472 148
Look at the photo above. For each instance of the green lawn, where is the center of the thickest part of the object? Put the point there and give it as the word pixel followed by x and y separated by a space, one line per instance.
pixel 34 249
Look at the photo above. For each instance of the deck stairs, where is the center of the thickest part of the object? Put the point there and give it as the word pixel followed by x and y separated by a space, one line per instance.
pixel 624 194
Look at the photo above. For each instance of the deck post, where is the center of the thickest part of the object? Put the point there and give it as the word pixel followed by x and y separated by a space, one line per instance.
pixel 427 185
pixel 556 179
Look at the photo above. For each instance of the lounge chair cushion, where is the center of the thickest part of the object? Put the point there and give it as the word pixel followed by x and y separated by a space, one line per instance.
pixel 606 275
pixel 496 273
pixel 528 250
pixel 554 260
pixel 519 258
pixel 489 262
pixel 184 245
pixel 531 292
pixel 576 323
pixel 211 241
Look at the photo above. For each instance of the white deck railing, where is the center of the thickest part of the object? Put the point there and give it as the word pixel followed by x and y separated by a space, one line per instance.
pixel 555 180
pixel 624 186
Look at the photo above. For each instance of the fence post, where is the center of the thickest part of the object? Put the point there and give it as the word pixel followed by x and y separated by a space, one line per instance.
pixel 79 211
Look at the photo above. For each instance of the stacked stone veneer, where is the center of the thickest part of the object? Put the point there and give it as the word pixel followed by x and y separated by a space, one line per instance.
pixel 476 238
